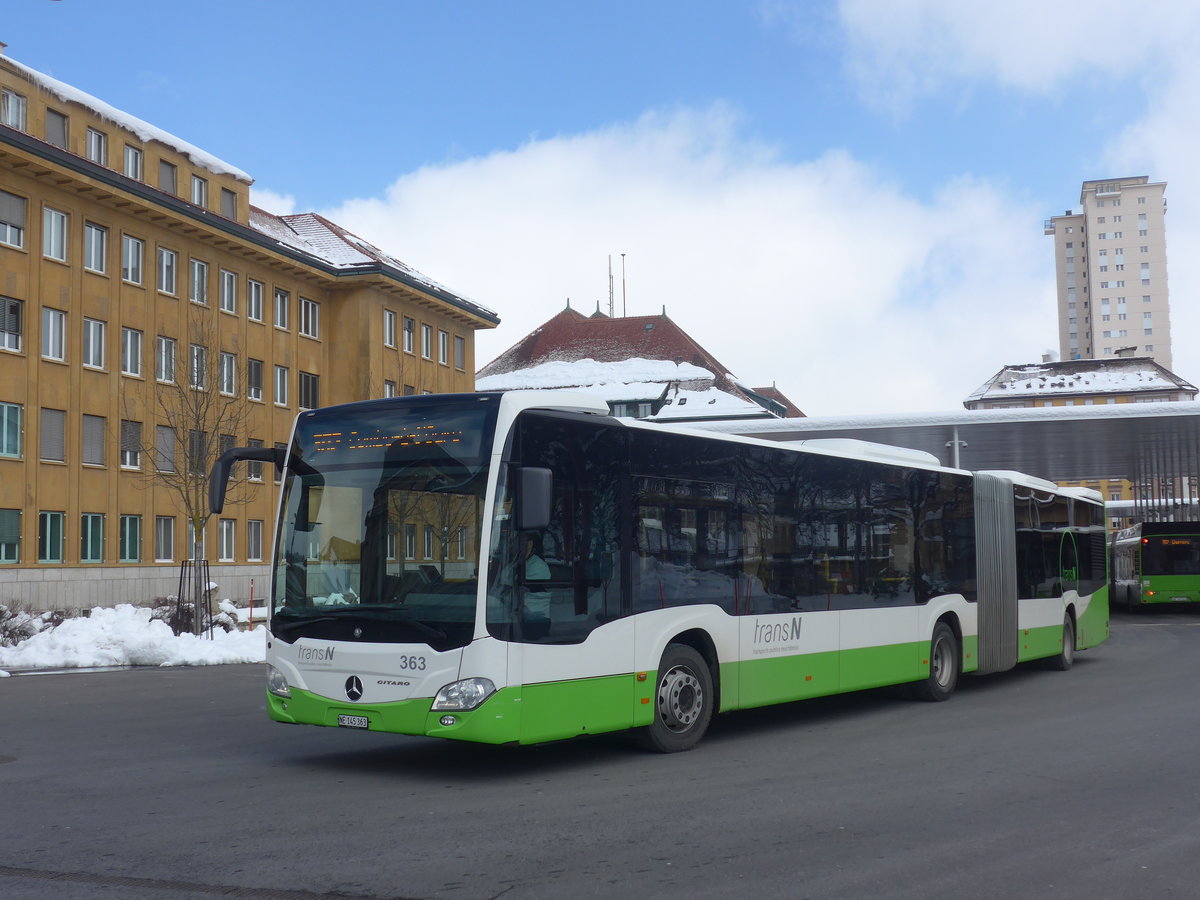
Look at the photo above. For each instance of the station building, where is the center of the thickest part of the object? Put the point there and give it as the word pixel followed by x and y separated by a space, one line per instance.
pixel 135 274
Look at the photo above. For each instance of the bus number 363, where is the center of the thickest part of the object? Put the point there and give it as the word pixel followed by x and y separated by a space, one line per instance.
pixel 411 663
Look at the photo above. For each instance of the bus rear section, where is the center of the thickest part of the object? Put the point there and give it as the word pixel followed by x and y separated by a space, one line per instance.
pixel 1156 563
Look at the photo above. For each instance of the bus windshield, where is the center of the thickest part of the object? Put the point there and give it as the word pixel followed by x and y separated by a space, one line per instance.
pixel 379 532
pixel 1176 554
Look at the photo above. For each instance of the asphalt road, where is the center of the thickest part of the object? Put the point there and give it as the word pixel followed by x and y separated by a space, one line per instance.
pixel 172 783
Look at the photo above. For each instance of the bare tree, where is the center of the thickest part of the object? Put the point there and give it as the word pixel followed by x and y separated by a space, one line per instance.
pixel 196 411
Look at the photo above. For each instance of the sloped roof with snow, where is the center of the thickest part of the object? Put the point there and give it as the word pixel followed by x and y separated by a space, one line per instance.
pixel 1123 375
pixel 335 246
pixel 144 130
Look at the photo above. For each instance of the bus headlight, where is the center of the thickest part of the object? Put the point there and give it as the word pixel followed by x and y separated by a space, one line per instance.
pixel 277 684
pixel 463 695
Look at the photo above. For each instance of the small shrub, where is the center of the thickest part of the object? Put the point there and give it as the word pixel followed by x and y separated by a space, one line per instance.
pixel 20 625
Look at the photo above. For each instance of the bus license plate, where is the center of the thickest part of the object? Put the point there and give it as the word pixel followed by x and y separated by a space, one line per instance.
pixel 1181 599
pixel 352 721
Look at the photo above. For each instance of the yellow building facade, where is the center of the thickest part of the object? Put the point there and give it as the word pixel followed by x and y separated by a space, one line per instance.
pixel 135 276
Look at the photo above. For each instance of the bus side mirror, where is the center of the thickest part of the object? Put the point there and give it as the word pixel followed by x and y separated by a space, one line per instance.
pixel 218 480
pixel 533 498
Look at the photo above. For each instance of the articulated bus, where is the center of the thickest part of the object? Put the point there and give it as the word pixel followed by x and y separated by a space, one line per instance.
pixel 523 567
pixel 1156 562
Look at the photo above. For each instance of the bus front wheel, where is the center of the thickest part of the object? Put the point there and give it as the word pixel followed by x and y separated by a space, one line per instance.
pixel 944 666
pixel 683 701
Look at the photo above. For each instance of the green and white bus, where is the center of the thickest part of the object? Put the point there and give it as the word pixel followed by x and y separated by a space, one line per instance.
pixel 523 567
pixel 1156 562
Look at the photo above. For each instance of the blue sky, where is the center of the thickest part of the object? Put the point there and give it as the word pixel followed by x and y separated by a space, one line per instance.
pixel 844 198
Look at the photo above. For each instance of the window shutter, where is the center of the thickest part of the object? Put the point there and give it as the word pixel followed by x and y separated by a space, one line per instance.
pixel 10 526
pixel 54 435
pixel 93 440
pixel 12 209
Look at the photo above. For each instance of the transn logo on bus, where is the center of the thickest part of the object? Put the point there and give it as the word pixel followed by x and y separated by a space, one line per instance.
pixel 315 654
pixel 772 636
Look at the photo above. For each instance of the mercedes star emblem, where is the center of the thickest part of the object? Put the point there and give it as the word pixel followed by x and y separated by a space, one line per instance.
pixel 353 688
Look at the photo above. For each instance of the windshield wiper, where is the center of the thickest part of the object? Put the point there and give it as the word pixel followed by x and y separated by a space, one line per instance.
pixel 367 613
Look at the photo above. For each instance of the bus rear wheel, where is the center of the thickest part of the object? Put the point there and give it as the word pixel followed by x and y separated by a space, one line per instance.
pixel 944 665
pixel 683 701
pixel 1066 656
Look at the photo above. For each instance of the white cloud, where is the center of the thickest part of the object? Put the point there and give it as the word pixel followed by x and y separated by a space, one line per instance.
pixel 272 202
pixel 849 295
pixel 902 48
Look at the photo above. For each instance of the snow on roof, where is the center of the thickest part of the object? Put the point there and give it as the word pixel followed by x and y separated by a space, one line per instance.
pixel 707 404
pixel 143 130
pixel 1079 377
pixel 622 375
pixel 329 242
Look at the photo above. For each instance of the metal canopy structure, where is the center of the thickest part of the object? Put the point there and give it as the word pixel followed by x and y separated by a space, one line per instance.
pixel 1154 445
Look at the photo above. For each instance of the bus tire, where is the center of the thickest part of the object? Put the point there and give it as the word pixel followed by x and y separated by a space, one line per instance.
pixel 683 701
pixel 1066 656
pixel 945 662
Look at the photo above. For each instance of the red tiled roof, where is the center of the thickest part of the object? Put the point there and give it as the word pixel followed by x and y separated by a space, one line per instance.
pixel 570 336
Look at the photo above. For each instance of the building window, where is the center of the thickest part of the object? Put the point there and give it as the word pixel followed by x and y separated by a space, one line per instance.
pixel 226 530
pixel 427 342
pixel 280 452
pixel 254 467
pixel 228 203
pixel 462 542
pixel 409 328
pixel 95 248
pixel 131 444
pixel 133 163
pixel 54 234
pixel 254 300
pixel 198 282
pixel 167 265
pixel 164 360
pixel 12 219
pixel 428 544
pixel 310 390
pixel 131 539
pixel 282 302
pixel 228 291
pixel 97 146
pixel 131 352
pixel 410 541
pixel 164 538
pixel 460 353
pixel 310 318
pixel 443 348
pixel 164 448
pixel 56 128
pixel 198 367
pixel 254 540
pixel 199 191
pixel 196 542
pixel 54 331
pixel 93 343
pixel 228 373
pixel 254 374
pixel 91 538
pixel 54 435
pixel 10 535
pixel 50 537
pixel 132 253
pixel 389 328
pixel 281 385
pixel 389 389
pixel 197 442
pixel 168 177
pixel 11 430
pixel 13 109
pixel 12 313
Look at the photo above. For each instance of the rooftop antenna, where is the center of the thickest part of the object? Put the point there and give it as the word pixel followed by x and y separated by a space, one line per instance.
pixel 623 286
pixel 610 288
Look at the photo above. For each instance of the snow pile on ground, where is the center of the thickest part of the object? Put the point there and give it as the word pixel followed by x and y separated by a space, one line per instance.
pixel 127 636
